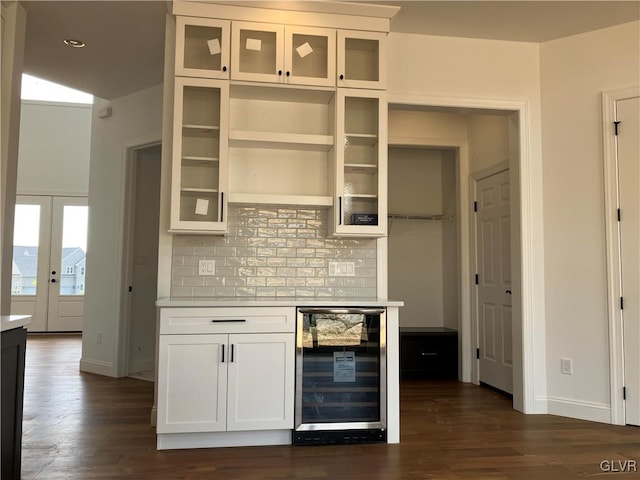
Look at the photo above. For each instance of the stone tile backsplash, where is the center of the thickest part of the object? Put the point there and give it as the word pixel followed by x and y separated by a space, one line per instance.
pixel 273 252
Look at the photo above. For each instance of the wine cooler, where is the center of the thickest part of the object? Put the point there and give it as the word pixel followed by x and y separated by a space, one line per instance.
pixel 340 376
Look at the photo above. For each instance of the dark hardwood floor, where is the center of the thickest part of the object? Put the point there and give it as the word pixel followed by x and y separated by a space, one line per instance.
pixel 84 426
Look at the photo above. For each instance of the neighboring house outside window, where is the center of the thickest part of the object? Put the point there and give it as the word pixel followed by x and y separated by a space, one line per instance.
pixel 69 271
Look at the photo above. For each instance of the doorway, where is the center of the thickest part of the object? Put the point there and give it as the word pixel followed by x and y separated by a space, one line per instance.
pixel 49 262
pixel 141 260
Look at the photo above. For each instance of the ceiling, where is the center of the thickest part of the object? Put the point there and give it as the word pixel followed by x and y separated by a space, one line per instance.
pixel 125 39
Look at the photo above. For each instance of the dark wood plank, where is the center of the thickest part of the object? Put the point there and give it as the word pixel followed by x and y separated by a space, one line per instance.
pixel 84 426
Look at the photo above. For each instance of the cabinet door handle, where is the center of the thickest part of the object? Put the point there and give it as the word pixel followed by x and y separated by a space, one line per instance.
pixel 229 320
pixel 232 349
pixel 224 69
pixel 222 206
pixel 223 353
pixel 280 72
pixel 288 73
pixel 339 210
pixel 341 77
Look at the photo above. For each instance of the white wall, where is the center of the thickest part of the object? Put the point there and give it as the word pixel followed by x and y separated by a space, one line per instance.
pixel 55 144
pixel 416 249
pixel 488 140
pixel 574 72
pixel 136 120
pixel 13 35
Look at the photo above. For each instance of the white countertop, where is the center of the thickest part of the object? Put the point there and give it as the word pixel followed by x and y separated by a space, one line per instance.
pixel 10 322
pixel 275 302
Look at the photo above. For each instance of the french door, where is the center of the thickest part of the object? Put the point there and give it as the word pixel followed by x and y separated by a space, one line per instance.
pixel 49 262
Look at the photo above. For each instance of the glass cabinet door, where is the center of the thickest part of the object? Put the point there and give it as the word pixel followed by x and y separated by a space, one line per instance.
pixel 257 52
pixel 361 59
pixel 202 47
pixel 360 206
pixel 200 144
pixel 310 56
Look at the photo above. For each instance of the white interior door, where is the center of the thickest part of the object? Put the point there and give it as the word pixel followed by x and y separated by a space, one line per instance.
pixel 493 257
pixel 628 113
pixel 49 267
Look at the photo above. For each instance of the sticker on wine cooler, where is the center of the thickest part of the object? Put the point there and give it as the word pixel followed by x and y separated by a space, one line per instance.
pixel 344 366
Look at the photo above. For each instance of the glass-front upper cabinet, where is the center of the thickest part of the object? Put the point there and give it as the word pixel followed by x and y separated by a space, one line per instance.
pixel 360 203
pixel 278 54
pixel 202 47
pixel 361 59
pixel 200 150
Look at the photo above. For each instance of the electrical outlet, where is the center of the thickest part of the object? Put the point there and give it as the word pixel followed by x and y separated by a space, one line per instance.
pixel 342 269
pixel 566 366
pixel 207 267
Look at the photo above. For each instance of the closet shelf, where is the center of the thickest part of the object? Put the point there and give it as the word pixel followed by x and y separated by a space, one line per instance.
pixel 393 216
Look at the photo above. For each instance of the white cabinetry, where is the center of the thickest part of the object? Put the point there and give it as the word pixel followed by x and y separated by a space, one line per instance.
pixel 283 54
pixel 202 47
pixel 215 366
pixel 199 168
pixel 362 59
pixel 360 205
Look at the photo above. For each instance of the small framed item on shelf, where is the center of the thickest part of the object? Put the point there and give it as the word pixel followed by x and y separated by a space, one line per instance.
pixel 364 219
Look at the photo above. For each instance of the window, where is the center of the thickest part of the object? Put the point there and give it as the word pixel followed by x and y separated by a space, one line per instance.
pixel 16 287
pixel 81 270
pixel 69 271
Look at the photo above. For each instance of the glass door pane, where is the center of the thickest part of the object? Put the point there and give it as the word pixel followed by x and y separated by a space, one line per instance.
pixel 26 242
pixel 341 381
pixel 74 249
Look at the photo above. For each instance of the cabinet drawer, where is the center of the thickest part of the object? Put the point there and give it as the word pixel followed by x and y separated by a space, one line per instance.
pixel 226 320
pixel 429 355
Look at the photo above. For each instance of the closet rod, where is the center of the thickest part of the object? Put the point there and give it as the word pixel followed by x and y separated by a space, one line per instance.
pixel 393 216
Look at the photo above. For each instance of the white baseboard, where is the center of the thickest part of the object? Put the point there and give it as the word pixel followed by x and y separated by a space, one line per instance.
pixel 142 365
pixel 168 441
pixel 566 407
pixel 97 367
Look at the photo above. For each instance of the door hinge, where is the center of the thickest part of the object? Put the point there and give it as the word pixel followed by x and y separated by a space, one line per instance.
pixel 621 303
pixel 624 393
pixel 475 206
pixel 619 215
pixel 478 353
pixel 615 125
pixel 130 288
pixel 477 279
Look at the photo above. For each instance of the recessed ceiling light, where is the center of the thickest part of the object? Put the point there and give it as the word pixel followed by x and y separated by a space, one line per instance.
pixel 74 43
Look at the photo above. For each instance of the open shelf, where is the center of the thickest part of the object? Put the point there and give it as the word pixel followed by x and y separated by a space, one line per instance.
pixel 199 159
pixel 295 141
pixel 201 128
pixel 361 139
pixel 365 168
pixel 272 199
pixel 198 190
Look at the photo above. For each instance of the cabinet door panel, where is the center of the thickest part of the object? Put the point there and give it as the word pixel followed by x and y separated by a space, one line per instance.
pixel 310 56
pixel 200 150
pixel 360 205
pixel 257 52
pixel 361 59
pixel 202 47
pixel 261 382
pixel 192 379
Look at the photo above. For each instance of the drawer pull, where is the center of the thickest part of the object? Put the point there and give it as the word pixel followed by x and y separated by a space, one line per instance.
pixel 236 320
pixel 223 353
pixel 429 354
